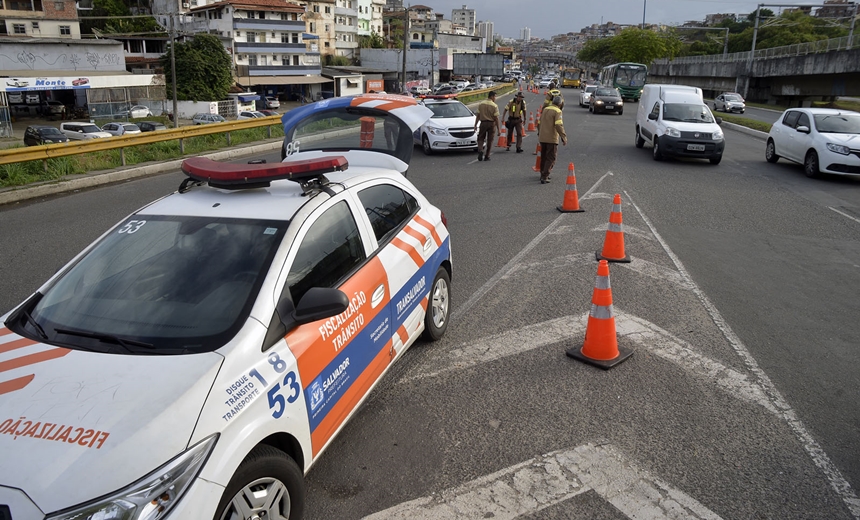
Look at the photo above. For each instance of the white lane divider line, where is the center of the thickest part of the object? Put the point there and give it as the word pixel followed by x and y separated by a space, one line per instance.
pixel 559 262
pixel 855 219
pixel 816 453
pixel 652 270
pixel 534 485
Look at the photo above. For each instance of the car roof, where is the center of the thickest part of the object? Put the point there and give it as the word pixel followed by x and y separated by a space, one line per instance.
pixel 37 127
pixel 823 111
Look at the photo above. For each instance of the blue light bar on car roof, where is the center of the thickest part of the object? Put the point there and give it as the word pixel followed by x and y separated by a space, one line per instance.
pixel 237 175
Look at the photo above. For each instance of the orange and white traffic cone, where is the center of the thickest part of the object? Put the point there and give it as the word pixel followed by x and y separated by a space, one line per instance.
pixel 601 340
pixel 532 127
pixel 502 142
pixel 570 204
pixel 537 151
pixel 613 244
pixel 536 167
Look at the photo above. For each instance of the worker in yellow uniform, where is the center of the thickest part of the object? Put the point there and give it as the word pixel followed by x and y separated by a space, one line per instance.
pixel 550 129
pixel 515 110
pixel 550 95
pixel 488 118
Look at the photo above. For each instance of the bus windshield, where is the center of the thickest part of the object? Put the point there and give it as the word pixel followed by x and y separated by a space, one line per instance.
pixel 630 76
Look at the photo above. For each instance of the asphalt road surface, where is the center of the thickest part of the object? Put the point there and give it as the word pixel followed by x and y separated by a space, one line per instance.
pixel 742 397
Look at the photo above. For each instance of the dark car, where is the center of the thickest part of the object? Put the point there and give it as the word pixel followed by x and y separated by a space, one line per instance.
pixel 150 126
pixel 43 134
pixel 606 99
pixel 268 112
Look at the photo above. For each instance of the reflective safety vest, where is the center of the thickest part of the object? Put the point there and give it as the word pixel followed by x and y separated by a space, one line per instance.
pixel 516 109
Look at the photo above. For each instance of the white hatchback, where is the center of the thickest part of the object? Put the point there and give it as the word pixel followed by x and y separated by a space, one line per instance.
pixel 197 359
pixel 121 128
pixel 585 95
pixel 452 127
pixel 823 140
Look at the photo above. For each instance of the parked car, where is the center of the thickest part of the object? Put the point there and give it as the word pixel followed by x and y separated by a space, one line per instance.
pixel 35 135
pixel 15 97
pixel 121 128
pixel 823 140
pixel 52 108
pixel 268 113
pixel 150 126
pixel 80 131
pixel 204 352
pixel 606 99
pixel 135 112
pixel 544 83
pixel 585 95
pixel 205 119
pixel 32 98
pixel 251 114
pixel 451 127
pixel 438 86
pixel 419 90
pixel 460 83
pixel 272 102
pixel 449 90
pixel 730 102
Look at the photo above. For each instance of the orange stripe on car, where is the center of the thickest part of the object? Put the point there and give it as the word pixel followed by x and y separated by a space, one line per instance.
pixel 18 343
pixel 31 359
pixel 4 331
pixel 408 249
pixel 421 237
pixel 430 227
pixel 346 403
pixel 15 384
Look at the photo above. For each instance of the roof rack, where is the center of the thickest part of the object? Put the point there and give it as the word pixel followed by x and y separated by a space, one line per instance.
pixel 259 174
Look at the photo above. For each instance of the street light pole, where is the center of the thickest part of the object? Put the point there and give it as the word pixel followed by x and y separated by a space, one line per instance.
pixel 644 5
pixel 173 69
pixel 405 46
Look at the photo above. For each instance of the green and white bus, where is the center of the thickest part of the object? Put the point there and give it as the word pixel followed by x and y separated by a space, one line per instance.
pixel 628 78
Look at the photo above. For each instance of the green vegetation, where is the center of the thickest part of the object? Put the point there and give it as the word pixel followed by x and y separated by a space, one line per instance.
pixel 747 122
pixel 203 69
pixel 20 174
pixel 842 104
pixel 120 21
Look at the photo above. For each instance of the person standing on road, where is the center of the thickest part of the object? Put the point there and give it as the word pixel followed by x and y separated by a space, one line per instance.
pixel 550 129
pixel 550 94
pixel 488 118
pixel 515 111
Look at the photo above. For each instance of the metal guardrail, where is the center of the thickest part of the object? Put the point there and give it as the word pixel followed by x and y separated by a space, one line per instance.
pixel 53 151
pixel 798 49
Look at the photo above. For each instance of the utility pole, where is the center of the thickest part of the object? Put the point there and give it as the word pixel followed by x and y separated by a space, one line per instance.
pixel 173 68
pixel 405 46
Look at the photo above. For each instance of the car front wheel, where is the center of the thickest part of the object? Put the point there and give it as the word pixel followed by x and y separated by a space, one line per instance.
pixel 770 152
pixel 425 145
pixel 436 317
pixel 656 152
pixel 810 165
pixel 268 484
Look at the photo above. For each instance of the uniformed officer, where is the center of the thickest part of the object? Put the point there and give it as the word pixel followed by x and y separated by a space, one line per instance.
pixel 550 129
pixel 550 95
pixel 515 111
pixel 488 118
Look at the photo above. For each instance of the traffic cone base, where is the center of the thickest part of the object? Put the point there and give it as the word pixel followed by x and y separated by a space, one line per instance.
pixel 623 260
pixel 623 354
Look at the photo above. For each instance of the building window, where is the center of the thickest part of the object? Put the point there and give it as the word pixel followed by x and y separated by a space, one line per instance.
pixel 59 6
pixel 66 30
pixel 296 61
pixel 296 38
pixel 35 26
pixel 313 27
pixel 19 28
pixel 316 8
pixel 327 27
pixel 238 33
pixel 285 38
pixel 252 37
pixel 327 10
pixel 327 45
pixel 252 60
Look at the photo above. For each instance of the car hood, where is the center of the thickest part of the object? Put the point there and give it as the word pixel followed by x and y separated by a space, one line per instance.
pixel 76 425
pixel 98 134
pixel 849 140
pixel 606 99
pixel 451 122
pixel 705 128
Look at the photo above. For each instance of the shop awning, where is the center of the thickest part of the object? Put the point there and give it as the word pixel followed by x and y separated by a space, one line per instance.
pixel 285 80
pixel 248 97
pixel 310 36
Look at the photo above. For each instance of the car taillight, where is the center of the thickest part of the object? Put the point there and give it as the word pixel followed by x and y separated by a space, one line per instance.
pixel 444 219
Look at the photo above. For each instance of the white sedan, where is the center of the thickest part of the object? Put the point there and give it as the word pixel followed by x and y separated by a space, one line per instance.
pixel 251 114
pixel 823 140
pixel 135 112
pixel 452 127
pixel 585 95
pixel 121 128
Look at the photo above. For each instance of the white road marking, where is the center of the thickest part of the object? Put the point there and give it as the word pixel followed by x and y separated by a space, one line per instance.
pixel 855 219
pixel 816 453
pixel 534 485
pixel 628 229
pixel 655 271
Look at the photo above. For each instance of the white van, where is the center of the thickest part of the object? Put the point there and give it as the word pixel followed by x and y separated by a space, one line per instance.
pixel 676 122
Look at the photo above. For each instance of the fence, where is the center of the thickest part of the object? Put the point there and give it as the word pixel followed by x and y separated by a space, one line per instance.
pixel 798 49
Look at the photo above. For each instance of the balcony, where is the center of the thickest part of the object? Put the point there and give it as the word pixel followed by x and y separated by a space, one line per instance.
pixel 345 11
pixel 345 45
pixel 270 48
pixel 352 29
pixel 283 70
pixel 268 25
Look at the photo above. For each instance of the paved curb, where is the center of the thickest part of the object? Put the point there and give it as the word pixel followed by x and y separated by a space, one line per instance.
pixel 744 130
pixel 12 195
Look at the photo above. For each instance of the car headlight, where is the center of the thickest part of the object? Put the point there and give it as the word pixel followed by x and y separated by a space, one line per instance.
pixel 151 497
pixel 838 148
pixel 437 131
pixel 673 132
pixel 717 135
pixel 619 102
pixel 598 102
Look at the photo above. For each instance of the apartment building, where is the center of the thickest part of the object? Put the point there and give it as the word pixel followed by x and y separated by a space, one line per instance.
pixel 370 17
pixel 465 17
pixel 39 19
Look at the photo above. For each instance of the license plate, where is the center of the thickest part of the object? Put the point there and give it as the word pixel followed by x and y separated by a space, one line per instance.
pixel 466 143
pixel 696 147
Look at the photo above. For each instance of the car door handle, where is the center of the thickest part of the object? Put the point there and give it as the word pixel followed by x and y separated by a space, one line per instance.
pixel 428 243
pixel 377 296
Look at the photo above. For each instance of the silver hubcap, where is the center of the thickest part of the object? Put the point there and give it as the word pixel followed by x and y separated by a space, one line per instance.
pixel 439 303
pixel 263 499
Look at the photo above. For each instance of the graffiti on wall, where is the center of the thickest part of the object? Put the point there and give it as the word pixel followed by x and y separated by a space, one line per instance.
pixel 75 61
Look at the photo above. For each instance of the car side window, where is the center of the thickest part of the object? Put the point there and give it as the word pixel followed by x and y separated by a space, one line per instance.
pixel 331 249
pixel 790 118
pixel 388 208
pixel 803 120
pixel 656 109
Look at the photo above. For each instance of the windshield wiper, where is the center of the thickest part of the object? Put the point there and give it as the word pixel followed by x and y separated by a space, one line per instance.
pixel 107 338
pixel 32 321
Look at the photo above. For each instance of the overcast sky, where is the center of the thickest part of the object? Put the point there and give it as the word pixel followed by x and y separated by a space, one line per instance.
pixel 549 17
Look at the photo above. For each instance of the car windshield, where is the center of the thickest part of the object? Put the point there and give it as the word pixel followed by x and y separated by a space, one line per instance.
pixel 89 128
pixel 50 131
pixel 732 97
pixel 606 92
pixel 688 113
pixel 175 284
pixel 590 89
pixel 837 123
pixel 442 110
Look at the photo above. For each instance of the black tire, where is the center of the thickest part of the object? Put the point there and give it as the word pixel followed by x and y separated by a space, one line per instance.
pixel 655 151
pixel 620 112
pixel 439 307
pixel 638 141
pixel 715 159
pixel 810 165
pixel 770 152
pixel 264 471
pixel 425 145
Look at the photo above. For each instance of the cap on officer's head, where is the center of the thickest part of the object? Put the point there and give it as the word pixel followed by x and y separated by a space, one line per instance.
pixel 555 92
pixel 556 101
pixel 520 94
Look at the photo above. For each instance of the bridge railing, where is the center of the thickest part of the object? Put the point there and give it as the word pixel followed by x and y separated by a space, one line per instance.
pixel 798 49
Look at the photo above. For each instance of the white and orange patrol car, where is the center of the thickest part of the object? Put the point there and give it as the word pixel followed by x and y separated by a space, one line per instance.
pixel 197 359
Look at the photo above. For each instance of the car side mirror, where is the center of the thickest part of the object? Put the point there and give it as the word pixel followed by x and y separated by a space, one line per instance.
pixel 652 116
pixel 719 120
pixel 318 303
pixel 803 129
